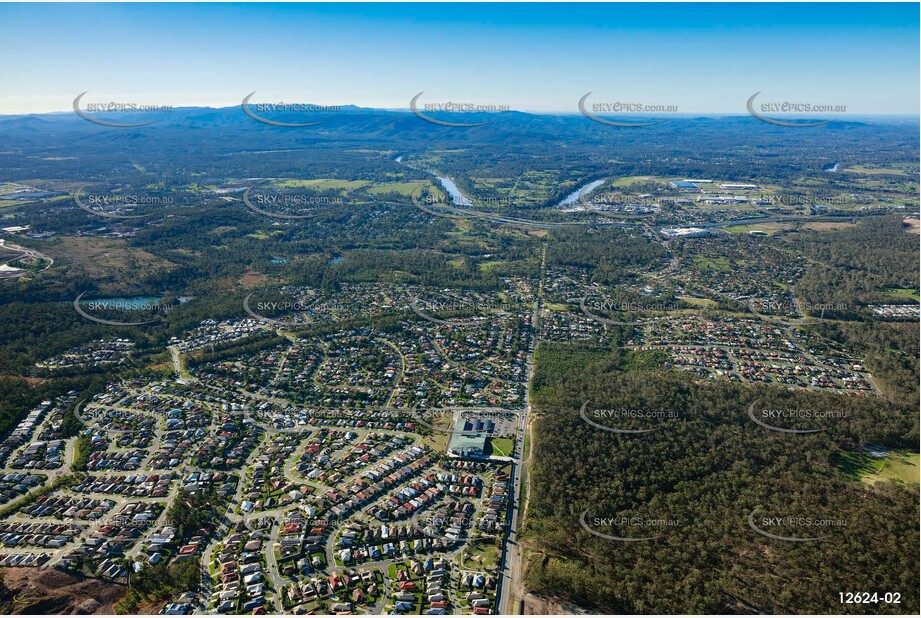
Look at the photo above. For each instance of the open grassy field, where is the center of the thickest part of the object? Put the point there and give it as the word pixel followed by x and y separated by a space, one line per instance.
pixel 438 439
pixel 768 227
pixel 322 184
pixel 463 226
pixel 403 188
pixel 903 294
pixel 481 556
pixel 628 181
pixel 532 188
pixel 897 169
pixel 490 266
pixel 711 263
pixel 899 466
pixel 49 200
pixel 501 447
pixel 698 302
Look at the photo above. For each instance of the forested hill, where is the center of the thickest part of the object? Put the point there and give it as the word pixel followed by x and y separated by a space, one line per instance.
pixel 706 468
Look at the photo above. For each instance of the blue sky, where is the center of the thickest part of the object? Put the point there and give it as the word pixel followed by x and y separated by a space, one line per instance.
pixel 538 57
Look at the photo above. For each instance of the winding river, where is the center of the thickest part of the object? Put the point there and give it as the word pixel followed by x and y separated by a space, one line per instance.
pixel 577 195
pixel 457 196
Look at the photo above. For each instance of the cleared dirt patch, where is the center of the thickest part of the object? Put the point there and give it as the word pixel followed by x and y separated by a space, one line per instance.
pixel 51 591
pixel 111 261
pixel 827 226
pixel 535 605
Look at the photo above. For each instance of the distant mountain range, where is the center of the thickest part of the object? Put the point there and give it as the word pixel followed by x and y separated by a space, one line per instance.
pixel 187 130
pixel 375 121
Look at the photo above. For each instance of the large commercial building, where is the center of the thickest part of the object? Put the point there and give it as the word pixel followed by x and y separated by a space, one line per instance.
pixel 467 444
pixel 685 232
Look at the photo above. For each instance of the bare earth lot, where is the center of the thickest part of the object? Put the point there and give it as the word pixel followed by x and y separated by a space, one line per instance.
pixel 50 591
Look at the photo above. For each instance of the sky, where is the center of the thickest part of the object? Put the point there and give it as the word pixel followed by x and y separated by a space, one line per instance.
pixel 537 57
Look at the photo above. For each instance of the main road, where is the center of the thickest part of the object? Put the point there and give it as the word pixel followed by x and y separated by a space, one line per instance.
pixel 510 573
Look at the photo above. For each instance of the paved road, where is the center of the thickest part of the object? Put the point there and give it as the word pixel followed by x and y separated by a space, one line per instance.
pixel 23 253
pixel 277 581
pixel 510 565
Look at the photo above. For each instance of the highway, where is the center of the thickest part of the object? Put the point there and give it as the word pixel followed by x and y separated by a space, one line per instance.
pixel 510 571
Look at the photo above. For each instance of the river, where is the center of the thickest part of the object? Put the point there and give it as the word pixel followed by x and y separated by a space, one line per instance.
pixel 457 197
pixel 576 195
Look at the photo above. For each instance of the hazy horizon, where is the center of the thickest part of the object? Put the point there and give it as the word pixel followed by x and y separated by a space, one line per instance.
pixel 408 110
